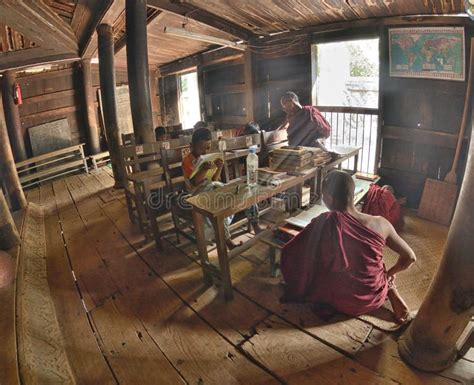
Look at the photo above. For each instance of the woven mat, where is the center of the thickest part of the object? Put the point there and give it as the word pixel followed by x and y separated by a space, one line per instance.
pixel 427 239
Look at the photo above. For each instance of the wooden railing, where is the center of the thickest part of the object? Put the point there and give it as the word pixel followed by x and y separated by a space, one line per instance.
pixel 353 126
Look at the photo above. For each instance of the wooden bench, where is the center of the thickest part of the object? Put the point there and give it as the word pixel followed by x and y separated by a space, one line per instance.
pixel 52 165
pixel 100 159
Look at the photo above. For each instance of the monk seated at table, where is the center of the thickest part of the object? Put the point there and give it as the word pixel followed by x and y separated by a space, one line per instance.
pixel 207 179
pixel 382 201
pixel 337 260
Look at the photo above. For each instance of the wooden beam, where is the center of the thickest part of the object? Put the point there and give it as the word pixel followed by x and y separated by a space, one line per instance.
pixel 114 11
pixel 33 56
pixel 38 22
pixel 192 12
pixel 151 20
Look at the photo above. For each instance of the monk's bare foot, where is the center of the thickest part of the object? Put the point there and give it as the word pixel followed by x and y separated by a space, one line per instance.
pixel 401 312
pixel 232 245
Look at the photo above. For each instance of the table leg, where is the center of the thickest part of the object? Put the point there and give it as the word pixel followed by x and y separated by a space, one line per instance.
pixel 226 171
pixel 356 162
pixel 218 224
pixel 198 220
pixel 236 164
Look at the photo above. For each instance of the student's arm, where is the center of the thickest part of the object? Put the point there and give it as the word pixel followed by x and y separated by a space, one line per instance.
pixel 406 255
pixel 201 174
pixel 217 175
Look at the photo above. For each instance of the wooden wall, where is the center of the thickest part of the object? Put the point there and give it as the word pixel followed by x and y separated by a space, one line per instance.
pixel 55 95
pixel 51 96
pixel 421 119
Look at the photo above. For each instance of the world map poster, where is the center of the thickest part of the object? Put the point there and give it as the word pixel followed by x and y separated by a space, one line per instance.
pixel 434 53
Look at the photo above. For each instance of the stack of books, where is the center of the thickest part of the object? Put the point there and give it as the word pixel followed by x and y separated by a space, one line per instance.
pixel 321 157
pixel 266 176
pixel 289 158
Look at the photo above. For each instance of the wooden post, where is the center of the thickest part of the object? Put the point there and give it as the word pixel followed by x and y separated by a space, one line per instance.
pixel 107 91
pixel 249 86
pixel 9 236
pixel 430 341
pixel 155 105
pixel 138 72
pixel 92 130
pixel 8 173
pixel 12 117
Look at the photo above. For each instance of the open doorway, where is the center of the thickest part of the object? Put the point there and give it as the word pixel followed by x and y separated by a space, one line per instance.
pixel 346 90
pixel 189 106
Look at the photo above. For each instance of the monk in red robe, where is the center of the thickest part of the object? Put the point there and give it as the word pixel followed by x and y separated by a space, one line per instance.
pixel 337 260
pixel 305 124
pixel 381 201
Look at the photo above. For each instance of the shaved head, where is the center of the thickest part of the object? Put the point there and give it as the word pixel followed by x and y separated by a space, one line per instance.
pixel 338 190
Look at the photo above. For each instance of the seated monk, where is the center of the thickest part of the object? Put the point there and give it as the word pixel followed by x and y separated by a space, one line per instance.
pixel 337 260
pixel 381 201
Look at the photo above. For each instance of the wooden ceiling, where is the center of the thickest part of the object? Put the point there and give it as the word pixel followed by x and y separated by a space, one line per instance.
pixel 164 48
pixel 41 31
pixel 269 16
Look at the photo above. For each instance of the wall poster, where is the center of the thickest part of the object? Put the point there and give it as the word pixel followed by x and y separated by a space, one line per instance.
pixel 433 53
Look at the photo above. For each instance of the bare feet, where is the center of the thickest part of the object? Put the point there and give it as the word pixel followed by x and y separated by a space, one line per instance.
pixel 401 312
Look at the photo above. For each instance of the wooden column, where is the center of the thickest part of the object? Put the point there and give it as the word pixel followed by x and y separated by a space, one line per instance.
pixel 9 236
pixel 249 86
pixel 138 72
pixel 429 342
pixel 155 105
pixel 107 91
pixel 12 117
pixel 92 129
pixel 8 173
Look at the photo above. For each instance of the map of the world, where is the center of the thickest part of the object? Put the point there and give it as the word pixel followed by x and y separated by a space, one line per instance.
pixel 436 53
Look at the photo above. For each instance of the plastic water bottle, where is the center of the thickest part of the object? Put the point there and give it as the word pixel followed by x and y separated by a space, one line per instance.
pixel 252 167
pixel 222 144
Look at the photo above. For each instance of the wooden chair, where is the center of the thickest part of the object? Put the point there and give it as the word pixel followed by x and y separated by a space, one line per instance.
pixel 176 190
pixel 141 181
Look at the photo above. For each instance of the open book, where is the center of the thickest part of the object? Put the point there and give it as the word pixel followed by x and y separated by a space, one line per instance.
pixel 207 158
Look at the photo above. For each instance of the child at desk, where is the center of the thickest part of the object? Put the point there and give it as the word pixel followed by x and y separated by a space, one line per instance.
pixel 207 179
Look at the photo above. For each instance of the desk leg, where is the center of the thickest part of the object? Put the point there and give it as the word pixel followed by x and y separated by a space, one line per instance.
pixel 356 162
pixel 198 220
pixel 226 172
pixel 218 224
pixel 236 164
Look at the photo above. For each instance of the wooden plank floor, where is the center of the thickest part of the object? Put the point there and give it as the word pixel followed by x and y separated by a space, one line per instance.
pixel 132 315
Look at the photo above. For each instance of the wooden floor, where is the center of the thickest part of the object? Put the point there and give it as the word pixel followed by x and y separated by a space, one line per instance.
pixel 127 314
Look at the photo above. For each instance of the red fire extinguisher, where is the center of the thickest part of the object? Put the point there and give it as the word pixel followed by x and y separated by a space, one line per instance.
pixel 17 94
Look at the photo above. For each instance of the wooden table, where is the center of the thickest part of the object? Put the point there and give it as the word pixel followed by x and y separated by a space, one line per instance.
pixel 219 204
pixel 345 154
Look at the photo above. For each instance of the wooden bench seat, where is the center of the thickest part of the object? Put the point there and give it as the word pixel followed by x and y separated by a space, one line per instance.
pixel 51 165
pixel 100 159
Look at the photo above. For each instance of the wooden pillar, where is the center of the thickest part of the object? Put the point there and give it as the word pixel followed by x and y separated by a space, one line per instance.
pixel 12 117
pixel 9 236
pixel 92 130
pixel 430 341
pixel 107 91
pixel 155 105
pixel 202 95
pixel 8 173
pixel 138 72
pixel 249 86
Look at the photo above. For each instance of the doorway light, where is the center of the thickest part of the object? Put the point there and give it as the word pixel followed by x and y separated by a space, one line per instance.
pixel 182 32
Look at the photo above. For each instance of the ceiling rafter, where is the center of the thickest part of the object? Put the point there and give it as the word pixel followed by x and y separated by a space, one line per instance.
pixel 192 12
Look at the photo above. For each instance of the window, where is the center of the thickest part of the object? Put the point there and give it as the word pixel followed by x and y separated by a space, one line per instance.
pixel 189 107
pixel 346 90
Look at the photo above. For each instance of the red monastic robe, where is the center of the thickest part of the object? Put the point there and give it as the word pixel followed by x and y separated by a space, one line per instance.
pixel 382 202
pixel 338 261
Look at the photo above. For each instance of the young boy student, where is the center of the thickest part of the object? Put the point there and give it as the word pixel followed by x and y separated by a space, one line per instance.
pixel 207 178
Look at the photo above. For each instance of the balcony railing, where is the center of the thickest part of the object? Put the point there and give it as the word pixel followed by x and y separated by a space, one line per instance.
pixel 353 126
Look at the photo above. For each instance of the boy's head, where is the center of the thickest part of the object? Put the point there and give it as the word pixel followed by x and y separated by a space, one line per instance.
pixel 290 102
pixel 201 141
pixel 160 133
pixel 389 188
pixel 200 124
pixel 338 190
pixel 251 128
